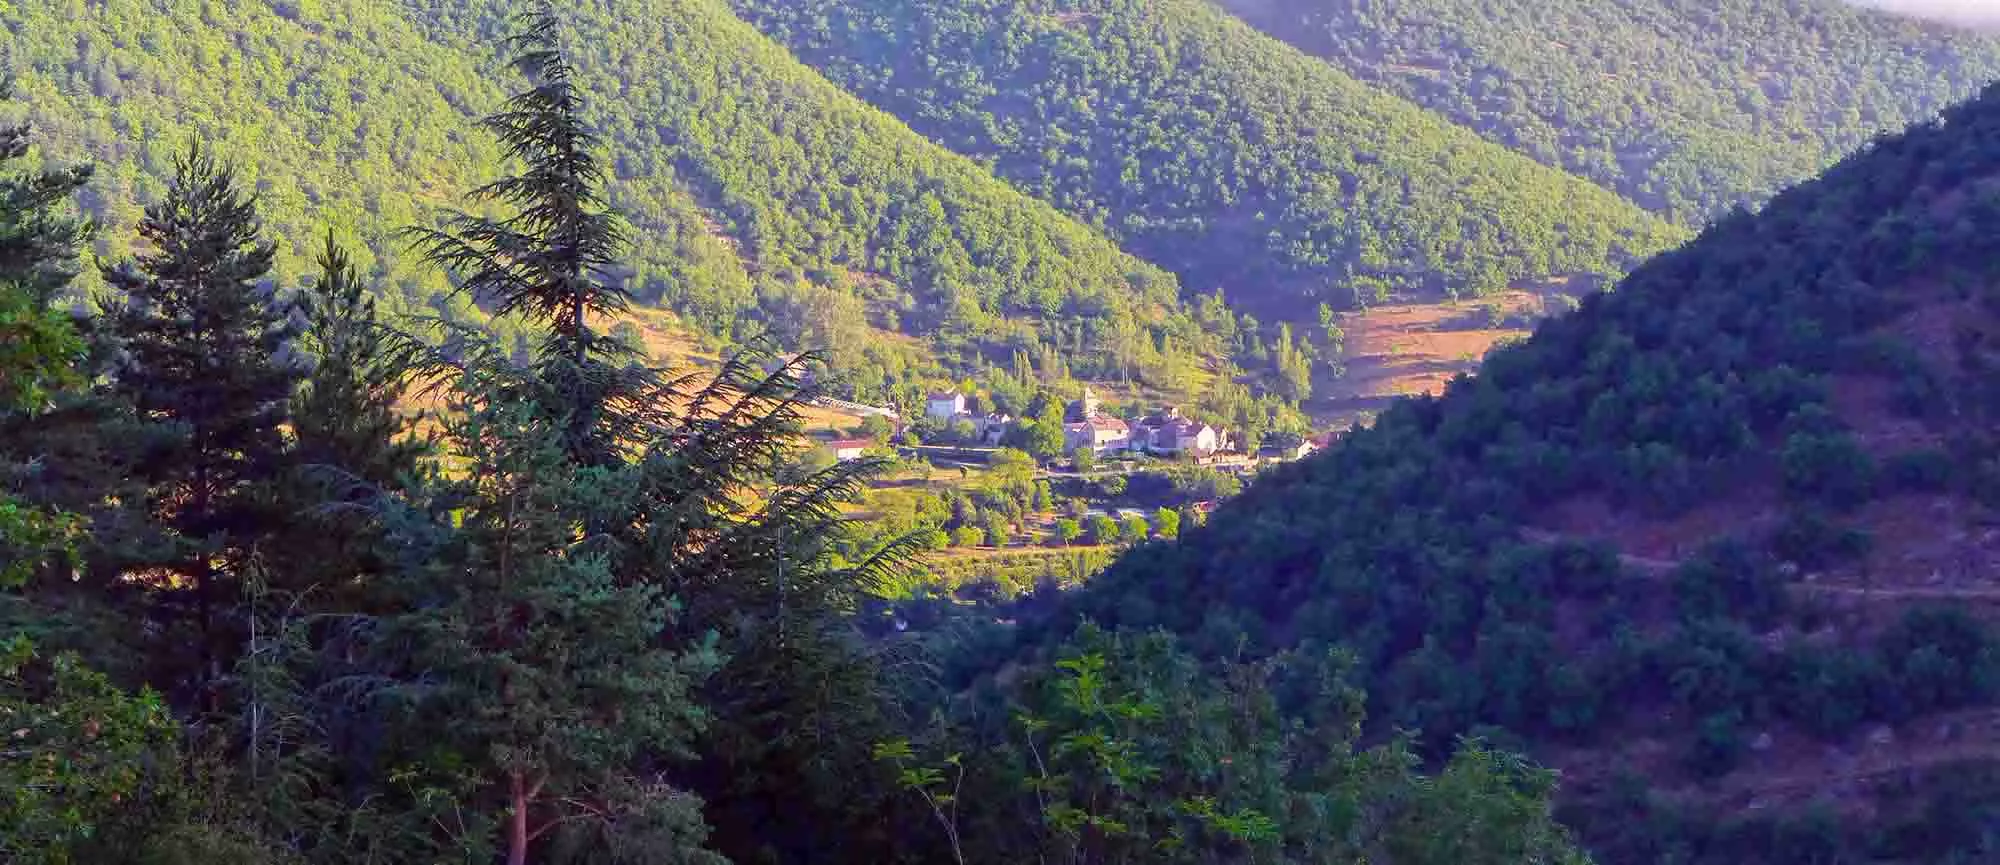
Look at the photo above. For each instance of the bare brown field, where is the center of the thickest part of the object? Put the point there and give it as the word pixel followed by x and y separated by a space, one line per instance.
pixel 1412 348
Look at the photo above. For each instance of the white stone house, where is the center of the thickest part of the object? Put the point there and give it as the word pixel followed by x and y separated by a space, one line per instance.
pixel 944 407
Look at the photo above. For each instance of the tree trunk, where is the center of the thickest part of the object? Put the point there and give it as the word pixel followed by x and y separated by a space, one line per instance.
pixel 209 665
pixel 517 823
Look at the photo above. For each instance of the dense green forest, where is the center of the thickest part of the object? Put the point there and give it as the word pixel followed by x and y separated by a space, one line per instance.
pixel 250 614
pixel 1786 385
pixel 1214 151
pixel 763 199
pixel 1688 107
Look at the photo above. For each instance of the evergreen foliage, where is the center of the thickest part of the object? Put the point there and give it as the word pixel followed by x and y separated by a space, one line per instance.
pixel 543 673
pixel 205 357
pixel 616 614
pixel 350 433
pixel 550 260
pixel 39 350
pixel 347 412
pixel 39 240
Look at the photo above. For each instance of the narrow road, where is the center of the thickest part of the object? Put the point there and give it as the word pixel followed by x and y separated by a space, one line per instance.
pixel 1652 567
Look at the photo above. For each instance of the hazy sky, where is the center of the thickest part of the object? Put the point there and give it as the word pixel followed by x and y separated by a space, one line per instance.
pixel 1965 11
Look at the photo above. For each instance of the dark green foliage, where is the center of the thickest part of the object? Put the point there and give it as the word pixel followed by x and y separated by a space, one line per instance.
pixel 1730 581
pixel 1811 540
pixel 1718 743
pixel 346 413
pixel 1941 659
pixel 614 621
pixel 1831 692
pixel 1926 471
pixel 1829 468
pixel 1127 750
pixel 1180 485
pixel 350 437
pixel 1215 152
pixel 550 260
pixel 538 667
pixel 91 769
pixel 1687 107
pixel 205 358
pixel 1943 816
pixel 39 350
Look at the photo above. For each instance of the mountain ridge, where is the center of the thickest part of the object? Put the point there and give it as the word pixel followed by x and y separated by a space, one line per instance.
pixel 1687 108
pixel 1226 156
pixel 738 226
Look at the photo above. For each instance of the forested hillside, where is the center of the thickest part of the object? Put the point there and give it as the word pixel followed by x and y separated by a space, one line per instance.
pixel 1719 546
pixel 1216 152
pixel 761 195
pixel 253 614
pixel 1688 107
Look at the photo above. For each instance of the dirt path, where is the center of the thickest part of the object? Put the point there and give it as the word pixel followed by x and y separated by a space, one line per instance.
pixel 1975 736
pixel 1801 771
pixel 1947 594
pixel 1652 567
pixel 1648 566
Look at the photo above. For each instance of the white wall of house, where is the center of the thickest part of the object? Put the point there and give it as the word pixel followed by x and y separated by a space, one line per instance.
pixel 945 409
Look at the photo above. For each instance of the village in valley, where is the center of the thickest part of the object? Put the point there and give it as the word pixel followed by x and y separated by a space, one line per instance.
pixel 1004 504
pixel 953 420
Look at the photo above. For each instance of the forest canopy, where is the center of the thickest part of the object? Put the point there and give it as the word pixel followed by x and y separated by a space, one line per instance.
pixel 1218 153
pixel 764 200
pixel 1688 107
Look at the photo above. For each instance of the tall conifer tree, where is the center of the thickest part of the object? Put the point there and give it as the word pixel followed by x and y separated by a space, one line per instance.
pixel 793 696
pixel 553 260
pixel 352 439
pixel 346 412
pixel 203 343
pixel 523 655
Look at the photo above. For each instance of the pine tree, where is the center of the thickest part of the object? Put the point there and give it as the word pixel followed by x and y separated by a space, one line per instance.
pixel 553 260
pixel 352 439
pixel 346 414
pixel 203 344
pixel 51 431
pixel 756 572
pixel 526 657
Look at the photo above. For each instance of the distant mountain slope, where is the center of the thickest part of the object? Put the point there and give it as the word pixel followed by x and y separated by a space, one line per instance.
pixel 1721 546
pixel 1688 107
pixel 761 193
pixel 1214 151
